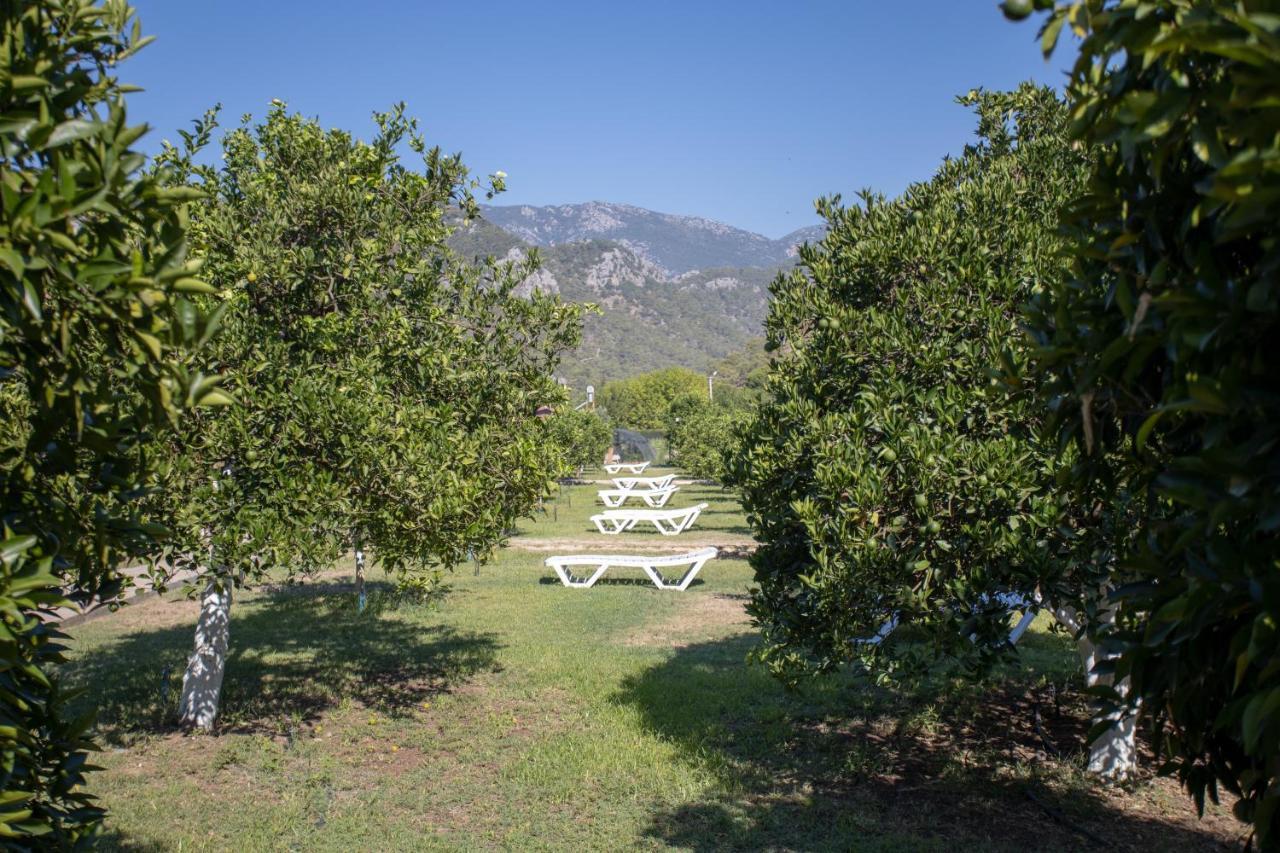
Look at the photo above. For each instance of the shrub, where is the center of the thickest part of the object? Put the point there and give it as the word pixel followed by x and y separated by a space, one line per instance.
pixel 705 440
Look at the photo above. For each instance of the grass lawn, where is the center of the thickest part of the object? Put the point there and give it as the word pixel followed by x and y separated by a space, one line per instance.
pixel 523 715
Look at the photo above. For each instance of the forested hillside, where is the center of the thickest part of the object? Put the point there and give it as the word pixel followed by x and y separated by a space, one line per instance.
pixel 650 318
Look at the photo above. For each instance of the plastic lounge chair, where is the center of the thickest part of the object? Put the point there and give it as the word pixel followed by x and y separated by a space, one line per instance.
pixel 650 563
pixel 1011 600
pixel 655 498
pixel 633 467
pixel 669 522
pixel 644 482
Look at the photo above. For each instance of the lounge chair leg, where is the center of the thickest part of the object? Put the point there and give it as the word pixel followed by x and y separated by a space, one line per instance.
pixel 690 575
pixel 1028 617
pixel 680 585
pixel 570 581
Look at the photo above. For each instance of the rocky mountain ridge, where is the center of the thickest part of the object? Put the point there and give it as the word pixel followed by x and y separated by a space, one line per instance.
pixel 674 242
pixel 652 316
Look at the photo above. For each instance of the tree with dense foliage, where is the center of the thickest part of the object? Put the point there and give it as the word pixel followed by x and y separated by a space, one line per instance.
pixel 387 392
pixel 580 437
pixel 680 413
pixel 96 324
pixel 701 440
pixel 642 402
pixel 889 476
pixel 702 433
pixel 1158 360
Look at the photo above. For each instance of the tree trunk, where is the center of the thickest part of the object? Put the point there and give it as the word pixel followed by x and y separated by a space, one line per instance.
pixel 202 682
pixel 361 598
pixel 1113 755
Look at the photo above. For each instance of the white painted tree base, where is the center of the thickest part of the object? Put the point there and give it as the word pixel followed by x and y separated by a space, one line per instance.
pixel 1113 756
pixel 202 682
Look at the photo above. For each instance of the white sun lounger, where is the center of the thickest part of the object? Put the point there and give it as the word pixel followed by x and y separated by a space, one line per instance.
pixel 644 482
pixel 668 521
pixel 1010 600
pixel 650 563
pixel 633 467
pixel 655 498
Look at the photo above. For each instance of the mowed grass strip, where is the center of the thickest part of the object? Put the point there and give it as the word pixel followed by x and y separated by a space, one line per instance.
pixel 523 715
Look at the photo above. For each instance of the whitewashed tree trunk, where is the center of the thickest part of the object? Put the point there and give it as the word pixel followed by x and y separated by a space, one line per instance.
pixel 360 593
pixel 202 682
pixel 1113 755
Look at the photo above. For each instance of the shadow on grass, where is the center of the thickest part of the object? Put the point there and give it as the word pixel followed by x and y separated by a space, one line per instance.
pixel 294 653
pixel 849 766
pixel 114 839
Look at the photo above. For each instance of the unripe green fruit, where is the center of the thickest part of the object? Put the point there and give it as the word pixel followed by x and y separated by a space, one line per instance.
pixel 921 501
pixel 982 480
pixel 824 323
pixel 922 529
pixel 251 455
pixel 1016 10
pixel 934 526
pixel 835 322
pixel 889 455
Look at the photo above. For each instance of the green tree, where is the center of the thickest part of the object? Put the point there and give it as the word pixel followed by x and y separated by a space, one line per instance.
pixel 388 392
pixel 642 402
pixel 1157 358
pixel 889 476
pixel 96 323
pixel 581 438
pixel 705 439
pixel 680 413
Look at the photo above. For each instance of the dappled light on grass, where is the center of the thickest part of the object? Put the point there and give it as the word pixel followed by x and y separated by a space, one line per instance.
pixel 995 764
pixel 521 714
pixel 297 652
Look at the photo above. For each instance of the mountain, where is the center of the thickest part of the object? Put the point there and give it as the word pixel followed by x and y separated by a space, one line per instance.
pixel 657 310
pixel 676 243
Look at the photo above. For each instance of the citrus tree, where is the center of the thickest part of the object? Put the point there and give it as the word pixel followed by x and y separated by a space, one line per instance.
pixel 710 440
pixel 1158 362
pixel 643 401
pixel 581 438
pixel 386 393
pixel 702 436
pixel 96 324
pixel 889 476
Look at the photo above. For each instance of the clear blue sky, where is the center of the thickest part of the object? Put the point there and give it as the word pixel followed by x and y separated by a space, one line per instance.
pixel 740 111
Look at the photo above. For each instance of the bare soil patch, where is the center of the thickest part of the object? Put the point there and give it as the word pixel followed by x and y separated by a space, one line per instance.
pixel 966 770
pixel 700 616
